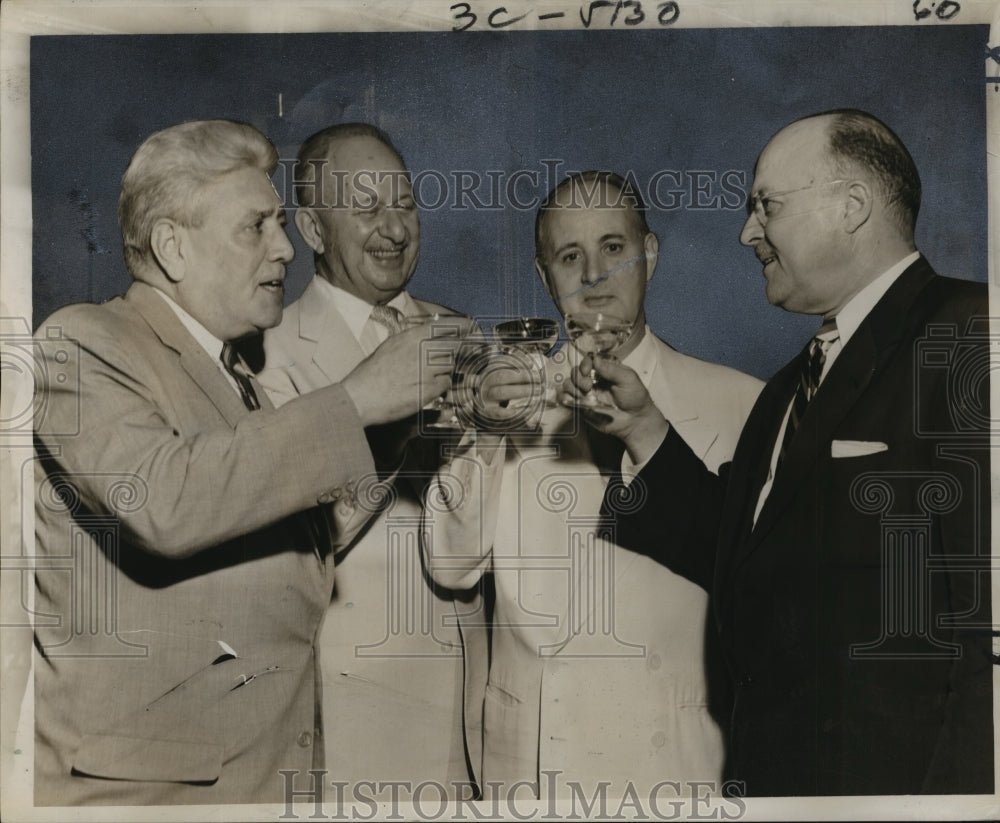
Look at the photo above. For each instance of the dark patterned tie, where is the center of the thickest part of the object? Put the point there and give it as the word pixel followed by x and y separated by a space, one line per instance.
pixel 241 374
pixel 809 379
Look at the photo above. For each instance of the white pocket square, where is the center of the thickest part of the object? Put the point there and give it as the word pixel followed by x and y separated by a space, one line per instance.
pixel 856 448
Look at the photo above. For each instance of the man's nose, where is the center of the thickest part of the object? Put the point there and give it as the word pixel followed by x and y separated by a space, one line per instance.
pixel 592 271
pixel 282 249
pixel 392 226
pixel 753 231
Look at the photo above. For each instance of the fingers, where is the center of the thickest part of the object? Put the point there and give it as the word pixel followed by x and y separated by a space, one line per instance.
pixel 410 336
pixel 573 391
pixel 581 380
pixel 611 370
pixel 433 387
pixel 505 392
pixel 432 356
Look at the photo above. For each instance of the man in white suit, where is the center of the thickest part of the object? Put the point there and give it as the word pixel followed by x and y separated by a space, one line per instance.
pixel 391 666
pixel 596 669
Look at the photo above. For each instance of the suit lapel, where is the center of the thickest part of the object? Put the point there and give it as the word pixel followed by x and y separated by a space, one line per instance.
pixel 667 374
pixel 336 352
pixel 747 474
pixel 848 378
pixel 752 460
pixel 193 358
pixel 667 388
pixel 852 372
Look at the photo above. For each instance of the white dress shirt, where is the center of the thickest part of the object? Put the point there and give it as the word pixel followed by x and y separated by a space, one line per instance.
pixel 208 341
pixel 357 312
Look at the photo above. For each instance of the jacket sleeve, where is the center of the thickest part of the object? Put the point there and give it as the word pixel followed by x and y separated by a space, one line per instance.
pixel 184 490
pixel 670 511
pixel 460 517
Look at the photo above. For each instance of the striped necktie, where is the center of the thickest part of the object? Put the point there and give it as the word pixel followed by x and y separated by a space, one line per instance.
pixel 388 316
pixel 241 374
pixel 808 385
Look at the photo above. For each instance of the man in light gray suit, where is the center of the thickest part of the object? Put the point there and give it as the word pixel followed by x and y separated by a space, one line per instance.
pixel 391 661
pixel 596 668
pixel 185 554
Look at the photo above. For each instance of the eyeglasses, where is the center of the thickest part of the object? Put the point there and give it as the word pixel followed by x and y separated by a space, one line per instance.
pixel 762 207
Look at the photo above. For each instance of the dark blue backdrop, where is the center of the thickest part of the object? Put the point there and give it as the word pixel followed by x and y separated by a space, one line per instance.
pixel 679 101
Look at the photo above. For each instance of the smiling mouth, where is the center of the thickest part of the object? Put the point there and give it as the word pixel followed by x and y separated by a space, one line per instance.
pixel 278 284
pixel 386 254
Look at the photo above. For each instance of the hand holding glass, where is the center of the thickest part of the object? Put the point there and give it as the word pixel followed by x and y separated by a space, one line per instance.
pixel 444 327
pixel 512 390
pixel 597 334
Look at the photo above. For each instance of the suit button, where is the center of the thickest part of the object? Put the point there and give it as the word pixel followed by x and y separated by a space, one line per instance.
pixel 654 662
pixel 658 740
pixel 305 740
pixel 744 682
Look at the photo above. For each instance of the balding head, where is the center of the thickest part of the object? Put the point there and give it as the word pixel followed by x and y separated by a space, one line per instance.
pixel 859 143
pixel 357 211
pixel 833 205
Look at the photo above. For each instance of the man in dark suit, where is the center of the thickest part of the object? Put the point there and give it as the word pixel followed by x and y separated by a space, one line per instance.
pixel 185 555
pixel 847 547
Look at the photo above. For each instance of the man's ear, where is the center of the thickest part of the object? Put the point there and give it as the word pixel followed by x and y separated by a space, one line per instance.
pixel 308 225
pixel 651 245
pixel 540 268
pixel 858 207
pixel 168 244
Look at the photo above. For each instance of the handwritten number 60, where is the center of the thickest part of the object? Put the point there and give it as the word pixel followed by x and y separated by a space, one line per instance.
pixel 943 11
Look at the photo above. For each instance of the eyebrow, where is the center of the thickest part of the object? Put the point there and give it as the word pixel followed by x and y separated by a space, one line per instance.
pixel 564 247
pixel 262 214
pixel 603 239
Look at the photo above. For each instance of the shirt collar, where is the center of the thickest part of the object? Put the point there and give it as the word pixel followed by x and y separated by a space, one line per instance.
pixel 860 306
pixel 208 341
pixel 356 311
pixel 643 358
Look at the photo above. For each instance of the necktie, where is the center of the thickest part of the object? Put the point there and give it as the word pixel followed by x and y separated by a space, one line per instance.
pixel 388 316
pixel 241 374
pixel 808 384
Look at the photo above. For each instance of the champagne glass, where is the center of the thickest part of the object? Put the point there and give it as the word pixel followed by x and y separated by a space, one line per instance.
pixel 522 345
pixel 443 327
pixel 598 334
pixel 534 334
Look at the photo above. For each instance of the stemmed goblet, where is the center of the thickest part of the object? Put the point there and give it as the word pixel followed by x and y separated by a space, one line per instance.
pixel 598 334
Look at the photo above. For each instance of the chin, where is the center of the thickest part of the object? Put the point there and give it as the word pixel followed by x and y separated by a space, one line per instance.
pixel 775 296
pixel 270 321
